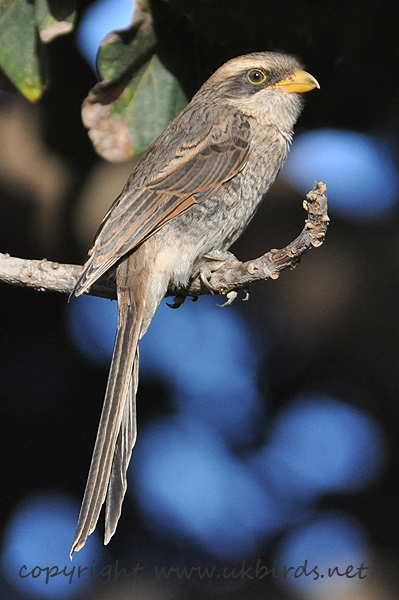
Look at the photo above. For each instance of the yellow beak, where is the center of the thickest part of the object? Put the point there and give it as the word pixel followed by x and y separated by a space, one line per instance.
pixel 299 82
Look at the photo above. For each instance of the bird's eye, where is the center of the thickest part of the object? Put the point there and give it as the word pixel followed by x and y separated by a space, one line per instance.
pixel 256 76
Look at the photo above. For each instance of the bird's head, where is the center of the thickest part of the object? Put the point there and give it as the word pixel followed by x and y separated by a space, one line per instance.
pixel 263 85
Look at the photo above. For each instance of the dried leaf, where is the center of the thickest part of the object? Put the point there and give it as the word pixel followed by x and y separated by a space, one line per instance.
pixel 138 98
pixel 110 136
pixel 124 119
pixel 54 18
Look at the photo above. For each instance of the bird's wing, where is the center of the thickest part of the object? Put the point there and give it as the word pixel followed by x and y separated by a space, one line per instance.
pixel 199 158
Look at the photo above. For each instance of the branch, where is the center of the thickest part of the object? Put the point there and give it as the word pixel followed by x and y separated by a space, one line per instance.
pixel 44 275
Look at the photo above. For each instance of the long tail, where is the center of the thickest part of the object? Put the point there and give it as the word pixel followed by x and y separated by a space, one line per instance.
pixel 117 429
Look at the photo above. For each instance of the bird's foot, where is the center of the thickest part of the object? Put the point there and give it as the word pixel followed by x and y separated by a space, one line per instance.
pixel 211 262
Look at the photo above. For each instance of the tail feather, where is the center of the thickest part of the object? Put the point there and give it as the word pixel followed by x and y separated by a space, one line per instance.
pixel 123 451
pixel 140 290
pixel 117 429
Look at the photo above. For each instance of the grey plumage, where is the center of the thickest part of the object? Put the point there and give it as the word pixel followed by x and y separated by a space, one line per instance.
pixel 189 198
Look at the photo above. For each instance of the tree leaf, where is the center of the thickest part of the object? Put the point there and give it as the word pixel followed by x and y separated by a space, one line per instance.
pixel 125 118
pixel 138 98
pixel 157 99
pixel 127 49
pixel 54 18
pixel 21 56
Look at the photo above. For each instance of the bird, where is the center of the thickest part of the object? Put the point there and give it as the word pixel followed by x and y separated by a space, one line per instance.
pixel 189 197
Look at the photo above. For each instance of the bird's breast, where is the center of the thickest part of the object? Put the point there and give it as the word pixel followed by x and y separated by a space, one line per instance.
pixel 242 195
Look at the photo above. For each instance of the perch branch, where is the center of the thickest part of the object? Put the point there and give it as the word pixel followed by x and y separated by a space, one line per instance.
pixel 44 275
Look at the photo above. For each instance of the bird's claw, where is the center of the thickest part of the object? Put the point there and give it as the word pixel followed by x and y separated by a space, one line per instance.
pixel 231 296
pixel 206 283
pixel 177 302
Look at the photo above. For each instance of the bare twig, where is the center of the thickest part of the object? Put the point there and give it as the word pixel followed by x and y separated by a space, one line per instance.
pixel 44 275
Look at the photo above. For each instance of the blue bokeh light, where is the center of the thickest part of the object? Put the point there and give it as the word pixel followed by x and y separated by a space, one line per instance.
pixel 209 357
pixel 320 445
pixel 187 479
pixel 99 19
pixel 205 353
pixel 39 534
pixel 92 325
pixel 359 170
pixel 211 336
pixel 331 541
pixel 188 484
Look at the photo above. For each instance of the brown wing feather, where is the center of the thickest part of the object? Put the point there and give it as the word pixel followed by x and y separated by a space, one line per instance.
pixel 201 161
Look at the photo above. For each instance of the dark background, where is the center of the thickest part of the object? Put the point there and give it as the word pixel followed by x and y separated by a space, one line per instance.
pixel 341 313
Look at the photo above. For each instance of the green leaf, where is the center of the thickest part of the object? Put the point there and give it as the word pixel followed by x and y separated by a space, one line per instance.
pixel 138 98
pixel 127 49
pixel 124 50
pixel 54 18
pixel 124 119
pixel 20 56
pixel 156 98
